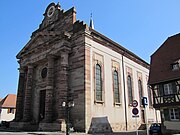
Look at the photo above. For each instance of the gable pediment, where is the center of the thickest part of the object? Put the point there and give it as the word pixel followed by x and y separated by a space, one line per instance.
pixel 40 39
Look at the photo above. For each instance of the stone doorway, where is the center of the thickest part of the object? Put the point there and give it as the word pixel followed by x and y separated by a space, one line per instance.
pixel 42 105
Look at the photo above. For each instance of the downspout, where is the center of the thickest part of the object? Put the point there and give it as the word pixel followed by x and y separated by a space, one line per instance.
pixel 125 110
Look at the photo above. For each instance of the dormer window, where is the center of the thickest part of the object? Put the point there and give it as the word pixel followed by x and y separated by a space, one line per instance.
pixel 175 66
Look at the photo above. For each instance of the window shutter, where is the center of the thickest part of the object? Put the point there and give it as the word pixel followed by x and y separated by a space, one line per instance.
pixel 166 114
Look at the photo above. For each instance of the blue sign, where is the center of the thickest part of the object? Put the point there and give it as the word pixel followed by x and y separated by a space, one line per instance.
pixel 144 101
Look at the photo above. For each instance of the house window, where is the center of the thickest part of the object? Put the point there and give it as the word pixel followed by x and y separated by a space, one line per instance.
pixel 175 66
pixel 130 94
pixel 98 79
pixel 116 87
pixel 168 89
pixel 10 110
pixel 174 114
pixel 140 91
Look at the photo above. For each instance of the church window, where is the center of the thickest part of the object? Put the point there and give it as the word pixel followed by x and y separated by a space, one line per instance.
pixel 98 82
pixel 149 95
pixel 116 87
pixel 130 94
pixel 140 91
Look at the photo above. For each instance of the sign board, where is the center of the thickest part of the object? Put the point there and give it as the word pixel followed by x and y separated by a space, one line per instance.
pixel 145 101
pixel 135 111
pixel 135 103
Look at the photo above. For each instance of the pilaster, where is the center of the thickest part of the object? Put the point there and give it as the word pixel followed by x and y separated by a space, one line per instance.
pixel 63 93
pixel 28 93
pixel 49 90
pixel 20 95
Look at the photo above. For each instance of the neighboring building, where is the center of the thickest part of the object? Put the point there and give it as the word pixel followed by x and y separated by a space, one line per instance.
pixel 8 108
pixel 65 60
pixel 165 82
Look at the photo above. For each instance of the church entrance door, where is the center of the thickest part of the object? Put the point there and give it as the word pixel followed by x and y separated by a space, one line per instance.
pixel 42 105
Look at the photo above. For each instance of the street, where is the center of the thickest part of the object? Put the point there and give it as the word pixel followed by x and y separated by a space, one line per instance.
pixel 11 132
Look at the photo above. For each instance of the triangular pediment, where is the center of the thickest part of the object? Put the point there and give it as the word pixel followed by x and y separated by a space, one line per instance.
pixel 42 38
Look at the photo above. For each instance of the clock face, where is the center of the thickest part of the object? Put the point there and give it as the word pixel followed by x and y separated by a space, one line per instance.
pixel 50 11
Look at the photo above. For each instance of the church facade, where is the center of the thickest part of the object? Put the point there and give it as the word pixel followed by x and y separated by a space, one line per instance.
pixel 65 62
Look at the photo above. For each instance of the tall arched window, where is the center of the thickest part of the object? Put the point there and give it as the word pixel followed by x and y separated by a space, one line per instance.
pixel 98 77
pixel 130 94
pixel 116 87
pixel 140 91
pixel 149 95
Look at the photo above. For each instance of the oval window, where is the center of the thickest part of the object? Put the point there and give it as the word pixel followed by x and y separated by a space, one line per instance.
pixel 44 72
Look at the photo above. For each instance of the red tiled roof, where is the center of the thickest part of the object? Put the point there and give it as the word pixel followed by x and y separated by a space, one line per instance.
pixel 9 101
pixel 162 60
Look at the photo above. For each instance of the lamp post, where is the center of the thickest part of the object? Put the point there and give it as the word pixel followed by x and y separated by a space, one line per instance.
pixel 68 106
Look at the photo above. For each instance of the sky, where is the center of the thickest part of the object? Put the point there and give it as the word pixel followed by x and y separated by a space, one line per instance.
pixel 140 26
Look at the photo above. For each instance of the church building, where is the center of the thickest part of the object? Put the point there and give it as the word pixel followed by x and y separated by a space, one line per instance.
pixel 70 73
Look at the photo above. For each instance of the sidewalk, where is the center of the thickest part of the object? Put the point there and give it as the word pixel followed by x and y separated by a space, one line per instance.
pixel 8 131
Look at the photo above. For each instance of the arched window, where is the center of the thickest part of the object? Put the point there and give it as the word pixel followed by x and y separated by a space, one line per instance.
pixel 140 91
pixel 149 95
pixel 116 87
pixel 98 79
pixel 129 83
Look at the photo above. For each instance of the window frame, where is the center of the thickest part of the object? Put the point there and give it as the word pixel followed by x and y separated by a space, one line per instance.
pixel 140 90
pixel 175 66
pixel 168 89
pixel 116 91
pixel 101 82
pixel 130 98
pixel 172 113
pixel 150 95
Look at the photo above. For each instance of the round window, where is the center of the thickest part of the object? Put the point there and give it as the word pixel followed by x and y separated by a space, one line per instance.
pixel 44 72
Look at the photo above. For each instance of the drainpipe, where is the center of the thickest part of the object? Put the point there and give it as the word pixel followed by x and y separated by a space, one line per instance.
pixel 125 110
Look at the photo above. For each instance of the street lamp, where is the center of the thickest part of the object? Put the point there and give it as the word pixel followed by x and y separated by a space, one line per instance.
pixel 68 106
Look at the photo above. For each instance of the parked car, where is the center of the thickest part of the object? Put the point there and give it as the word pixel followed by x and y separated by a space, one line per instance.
pixel 155 128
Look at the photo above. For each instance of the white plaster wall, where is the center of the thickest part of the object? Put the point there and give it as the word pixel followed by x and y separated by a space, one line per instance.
pixel 4 116
pixel 116 114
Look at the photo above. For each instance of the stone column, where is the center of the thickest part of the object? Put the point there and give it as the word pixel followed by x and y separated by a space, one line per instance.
pixel 20 95
pixel 28 93
pixel 49 90
pixel 63 95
